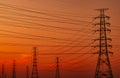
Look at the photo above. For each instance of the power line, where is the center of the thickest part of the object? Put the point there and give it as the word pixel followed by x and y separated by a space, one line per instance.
pixel 74 41
pixel 11 24
pixel 38 24
pixel 43 54
pixel 45 11
pixel 32 16
pixel 46 19
pixel 76 57
pixel 51 38
pixel 37 12
pixel 19 44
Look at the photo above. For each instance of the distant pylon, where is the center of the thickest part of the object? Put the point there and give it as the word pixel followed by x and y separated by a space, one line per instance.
pixel 14 69
pixel 103 68
pixel 3 71
pixel 34 68
pixel 27 71
pixel 57 68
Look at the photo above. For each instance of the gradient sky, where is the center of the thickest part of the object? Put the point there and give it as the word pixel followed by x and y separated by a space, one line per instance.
pixel 71 66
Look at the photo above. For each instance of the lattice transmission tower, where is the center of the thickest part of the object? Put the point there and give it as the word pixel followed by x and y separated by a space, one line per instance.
pixel 34 68
pixel 3 71
pixel 57 68
pixel 27 71
pixel 103 68
pixel 14 69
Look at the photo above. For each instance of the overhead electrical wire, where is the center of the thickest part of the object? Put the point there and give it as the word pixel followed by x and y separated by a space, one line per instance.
pixel 75 40
pixel 76 57
pixel 37 17
pixel 63 52
pixel 35 38
pixel 8 52
pixel 38 24
pixel 37 12
pixel 18 44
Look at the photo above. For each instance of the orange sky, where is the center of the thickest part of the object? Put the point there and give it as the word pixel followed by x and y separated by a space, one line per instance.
pixel 44 29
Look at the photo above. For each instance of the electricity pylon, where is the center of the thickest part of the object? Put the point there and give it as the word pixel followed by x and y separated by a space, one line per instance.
pixel 57 68
pixel 3 72
pixel 34 69
pixel 27 71
pixel 103 68
pixel 14 70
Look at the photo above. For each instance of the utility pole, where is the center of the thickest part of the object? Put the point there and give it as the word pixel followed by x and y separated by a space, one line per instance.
pixel 34 69
pixel 14 69
pixel 103 68
pixel 27 71
pixel 57 68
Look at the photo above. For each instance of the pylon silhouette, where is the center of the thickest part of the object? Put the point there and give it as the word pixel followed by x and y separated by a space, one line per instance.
pixel 34 69
pixel 14 69
pixel 3 71
pixel 27 71
pixel 57 68
pixel 103 68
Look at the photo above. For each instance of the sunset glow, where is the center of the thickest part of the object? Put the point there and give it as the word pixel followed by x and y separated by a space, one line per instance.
pixel 58 28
